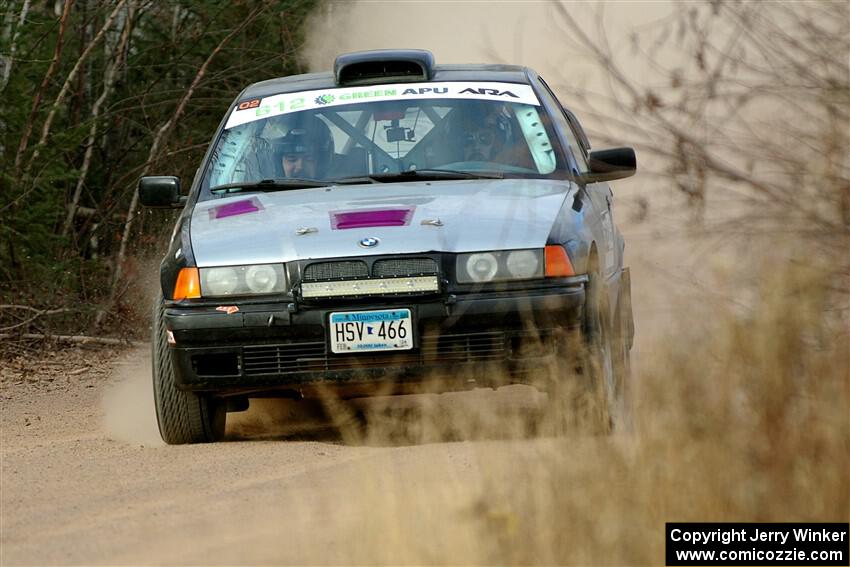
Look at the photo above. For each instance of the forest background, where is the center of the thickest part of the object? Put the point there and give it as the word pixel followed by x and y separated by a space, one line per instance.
pixel 96 94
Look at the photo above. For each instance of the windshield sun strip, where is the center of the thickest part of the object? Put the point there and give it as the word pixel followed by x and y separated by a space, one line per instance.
pixel 289 102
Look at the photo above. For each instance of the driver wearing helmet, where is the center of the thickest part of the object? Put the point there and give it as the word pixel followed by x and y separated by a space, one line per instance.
pixel 307 149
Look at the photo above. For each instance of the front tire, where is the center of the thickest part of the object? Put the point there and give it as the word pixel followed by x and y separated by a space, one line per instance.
pixel 582 398
pixel 183 417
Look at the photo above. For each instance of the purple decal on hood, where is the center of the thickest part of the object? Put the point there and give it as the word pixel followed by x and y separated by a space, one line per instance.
pixel 341 220
pixel 251 205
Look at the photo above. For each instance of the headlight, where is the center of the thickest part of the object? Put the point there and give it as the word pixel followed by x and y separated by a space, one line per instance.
pixel 261 279
pixel 523 264
pixel 493 266
pixel 482 267
pixel 243 280
pixel 219 281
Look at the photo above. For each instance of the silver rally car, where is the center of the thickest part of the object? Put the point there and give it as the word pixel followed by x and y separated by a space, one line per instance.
pixel 393 226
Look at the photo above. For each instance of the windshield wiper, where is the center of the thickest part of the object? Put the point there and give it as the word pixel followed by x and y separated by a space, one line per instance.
pixel 433 174
pixel 418 174
pixel 356 180
pixel 269 185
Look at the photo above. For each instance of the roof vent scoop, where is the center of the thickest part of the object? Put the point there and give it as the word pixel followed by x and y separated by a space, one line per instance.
pixel 369 67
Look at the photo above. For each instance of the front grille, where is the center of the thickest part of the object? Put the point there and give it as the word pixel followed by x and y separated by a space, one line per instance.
pixel 404 267
pixel 314 356
pixel 282 359
pixel 356 269
pixel 323 271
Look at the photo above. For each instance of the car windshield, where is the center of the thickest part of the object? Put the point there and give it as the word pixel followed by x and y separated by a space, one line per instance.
pixel 376 132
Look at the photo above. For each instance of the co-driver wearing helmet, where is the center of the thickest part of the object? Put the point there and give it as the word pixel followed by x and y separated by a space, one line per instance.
pixel 486 131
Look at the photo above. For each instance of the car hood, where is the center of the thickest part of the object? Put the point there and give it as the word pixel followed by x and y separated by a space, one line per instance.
pixel 438 216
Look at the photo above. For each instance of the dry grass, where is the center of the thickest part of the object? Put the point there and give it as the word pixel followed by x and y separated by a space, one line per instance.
pixel 744 419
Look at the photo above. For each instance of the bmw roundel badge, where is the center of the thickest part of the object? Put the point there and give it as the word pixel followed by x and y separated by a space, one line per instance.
pixel 369 242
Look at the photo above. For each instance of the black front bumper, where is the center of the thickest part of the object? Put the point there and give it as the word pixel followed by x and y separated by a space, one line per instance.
pixel 270 348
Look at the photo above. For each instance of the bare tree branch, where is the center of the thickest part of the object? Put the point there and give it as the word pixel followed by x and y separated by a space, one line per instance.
pixel 66 86
pixel 38 313
pixel 22 147
pixel 76 339
pixel 759 100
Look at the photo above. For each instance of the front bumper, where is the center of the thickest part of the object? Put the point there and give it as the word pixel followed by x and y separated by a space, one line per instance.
pixel 283 348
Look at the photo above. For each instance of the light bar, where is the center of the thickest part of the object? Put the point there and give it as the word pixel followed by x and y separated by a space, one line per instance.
pixel 379 286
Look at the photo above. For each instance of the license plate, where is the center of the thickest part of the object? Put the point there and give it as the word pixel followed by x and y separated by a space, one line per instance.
pixel 367 331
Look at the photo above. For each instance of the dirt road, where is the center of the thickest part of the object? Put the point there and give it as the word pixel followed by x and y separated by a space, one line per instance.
pixel 86 480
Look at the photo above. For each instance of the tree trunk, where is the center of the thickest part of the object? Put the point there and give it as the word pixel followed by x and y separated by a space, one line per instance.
pixel 13 46
pixel 109 82
pixel 57 53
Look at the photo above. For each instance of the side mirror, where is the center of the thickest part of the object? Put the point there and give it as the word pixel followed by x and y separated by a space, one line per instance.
pixel 160 191
pixel 607 165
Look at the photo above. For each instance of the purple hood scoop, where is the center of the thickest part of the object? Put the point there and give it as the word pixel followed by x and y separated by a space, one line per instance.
pixel 342 220
pixel 251 205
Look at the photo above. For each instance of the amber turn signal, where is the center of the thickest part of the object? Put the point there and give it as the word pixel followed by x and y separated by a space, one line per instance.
pixel 557 262
pixel 188 284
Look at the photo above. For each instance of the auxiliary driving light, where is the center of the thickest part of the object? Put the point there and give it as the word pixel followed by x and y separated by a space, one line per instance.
pixel 380 286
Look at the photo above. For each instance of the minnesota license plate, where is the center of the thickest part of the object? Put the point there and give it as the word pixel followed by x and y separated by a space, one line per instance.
pixel 365 331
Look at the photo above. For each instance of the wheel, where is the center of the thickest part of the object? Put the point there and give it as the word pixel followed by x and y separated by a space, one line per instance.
pixel 598 377
pixel 183 417
pixel 582 397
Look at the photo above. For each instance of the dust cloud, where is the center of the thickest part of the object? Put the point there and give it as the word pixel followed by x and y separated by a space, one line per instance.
pixel 514 32
pixel 128 406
